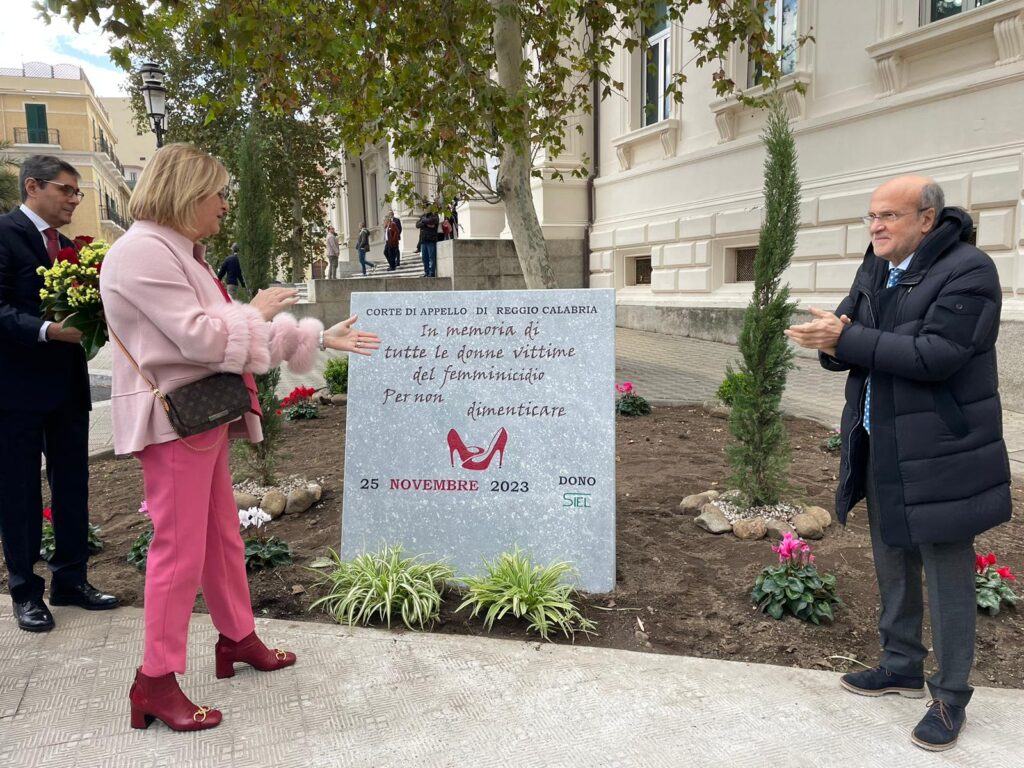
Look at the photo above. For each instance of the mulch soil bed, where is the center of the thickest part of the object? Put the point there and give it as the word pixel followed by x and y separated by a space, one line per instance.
pixel 678 589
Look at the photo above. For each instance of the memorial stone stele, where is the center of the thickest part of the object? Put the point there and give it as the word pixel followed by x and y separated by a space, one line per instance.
pixel 485 421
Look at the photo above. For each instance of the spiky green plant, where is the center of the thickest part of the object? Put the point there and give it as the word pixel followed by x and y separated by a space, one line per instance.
pixel 379 585
pixel 759 454
pixel 515 585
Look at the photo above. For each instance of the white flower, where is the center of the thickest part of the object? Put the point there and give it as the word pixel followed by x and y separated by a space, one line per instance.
pixel 253 516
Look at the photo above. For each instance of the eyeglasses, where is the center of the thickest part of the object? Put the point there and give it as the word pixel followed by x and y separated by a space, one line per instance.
pixel 67 189
pixel 888 217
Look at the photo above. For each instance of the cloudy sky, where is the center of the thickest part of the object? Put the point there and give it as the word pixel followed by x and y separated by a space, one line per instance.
pixel 24 38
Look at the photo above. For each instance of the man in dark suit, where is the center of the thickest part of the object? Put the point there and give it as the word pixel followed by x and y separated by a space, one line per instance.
pixel 922 436
pixel 44 405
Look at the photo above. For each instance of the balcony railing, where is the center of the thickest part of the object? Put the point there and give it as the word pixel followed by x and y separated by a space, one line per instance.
pixel 37 136
pixel 109 213
pixel 102 145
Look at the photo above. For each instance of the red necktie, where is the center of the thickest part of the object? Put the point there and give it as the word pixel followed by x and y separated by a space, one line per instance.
pixel 250 382
pixel 52 243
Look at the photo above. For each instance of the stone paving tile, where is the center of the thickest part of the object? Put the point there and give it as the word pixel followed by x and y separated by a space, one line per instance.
pixel 360 697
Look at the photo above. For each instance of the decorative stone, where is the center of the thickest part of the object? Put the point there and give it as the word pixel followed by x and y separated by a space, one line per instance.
pixel 720 412
pixel 339 399
pixel 821 515
pixel 776 528
pixel 299 500
pixel 245 500
pixel 273 503
pixel 807 526
pixel 712 520
pixel 316 490
pixel 691 505
pixel 750 530
pixel 482 424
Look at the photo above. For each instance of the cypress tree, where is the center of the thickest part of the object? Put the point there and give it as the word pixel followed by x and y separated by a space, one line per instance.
pixel 759 455
pixel 254 233
pixel 254 227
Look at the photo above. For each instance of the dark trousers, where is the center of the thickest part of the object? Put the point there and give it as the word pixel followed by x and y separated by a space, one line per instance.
pixel 391 254
pixel 63 436
pixel 949 571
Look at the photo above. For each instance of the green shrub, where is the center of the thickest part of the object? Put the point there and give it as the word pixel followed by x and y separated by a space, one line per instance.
pixel 336 375
pixel 834 441
pixel 730 384
pixel 513 584
pixel 266 553
pixel 139 552
pixel 382 584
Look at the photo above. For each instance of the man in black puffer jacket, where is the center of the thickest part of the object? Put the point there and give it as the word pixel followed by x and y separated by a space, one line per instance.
pixel 922 435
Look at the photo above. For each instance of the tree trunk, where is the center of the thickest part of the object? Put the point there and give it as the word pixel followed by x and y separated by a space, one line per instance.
pixel 298 267
pixel 516 160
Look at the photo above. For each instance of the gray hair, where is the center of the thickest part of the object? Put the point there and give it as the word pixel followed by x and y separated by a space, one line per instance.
pixel 43 168
pixel 932 196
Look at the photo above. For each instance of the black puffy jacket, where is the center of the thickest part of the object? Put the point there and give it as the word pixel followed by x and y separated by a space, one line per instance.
pixel 936 445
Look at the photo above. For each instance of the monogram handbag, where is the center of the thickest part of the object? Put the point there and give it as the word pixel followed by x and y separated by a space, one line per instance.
pixel 201 405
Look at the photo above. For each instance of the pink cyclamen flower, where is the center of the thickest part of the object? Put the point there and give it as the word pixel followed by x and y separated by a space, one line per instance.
pixel 144 508
pixel 625 387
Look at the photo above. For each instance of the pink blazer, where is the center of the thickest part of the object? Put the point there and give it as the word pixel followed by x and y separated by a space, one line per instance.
pixel 161 299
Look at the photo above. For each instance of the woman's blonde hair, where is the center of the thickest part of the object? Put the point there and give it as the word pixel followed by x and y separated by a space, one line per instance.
pixel 172 184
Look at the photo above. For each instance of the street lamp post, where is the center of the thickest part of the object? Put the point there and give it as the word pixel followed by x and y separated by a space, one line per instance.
pixel 155 95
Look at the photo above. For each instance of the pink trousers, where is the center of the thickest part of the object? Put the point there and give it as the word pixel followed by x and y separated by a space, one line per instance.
pixel 196 541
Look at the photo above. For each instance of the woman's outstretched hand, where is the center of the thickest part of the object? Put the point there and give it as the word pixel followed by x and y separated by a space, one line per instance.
pixel 269 301
pixel 344 338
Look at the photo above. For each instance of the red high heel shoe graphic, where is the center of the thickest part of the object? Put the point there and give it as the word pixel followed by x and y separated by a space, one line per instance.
pixel 497 446
pixel 455 445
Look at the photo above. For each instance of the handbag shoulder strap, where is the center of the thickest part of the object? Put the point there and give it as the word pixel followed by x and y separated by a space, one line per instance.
pixel 153 388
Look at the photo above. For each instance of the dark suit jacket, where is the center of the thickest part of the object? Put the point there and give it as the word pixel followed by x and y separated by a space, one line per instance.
pixel 34 375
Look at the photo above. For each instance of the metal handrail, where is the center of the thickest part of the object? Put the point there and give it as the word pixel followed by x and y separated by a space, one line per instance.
pixel 37 136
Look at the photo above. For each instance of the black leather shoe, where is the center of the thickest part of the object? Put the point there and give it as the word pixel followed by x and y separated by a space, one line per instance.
pixel 939 729
pixel 880 681
pixel 83 595
pixel 33 616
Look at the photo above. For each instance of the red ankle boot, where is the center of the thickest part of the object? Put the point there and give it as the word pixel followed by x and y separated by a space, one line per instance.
pixel 251 651
pixel 160 698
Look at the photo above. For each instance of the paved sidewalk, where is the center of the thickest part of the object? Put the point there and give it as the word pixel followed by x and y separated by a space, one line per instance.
pixel 361 697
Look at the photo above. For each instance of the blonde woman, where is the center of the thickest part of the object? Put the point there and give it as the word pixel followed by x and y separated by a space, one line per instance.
pixel 176 320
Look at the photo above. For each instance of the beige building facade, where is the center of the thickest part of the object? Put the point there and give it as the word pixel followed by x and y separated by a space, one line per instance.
pixel 53 110
pixel 886 87
pixel 890 87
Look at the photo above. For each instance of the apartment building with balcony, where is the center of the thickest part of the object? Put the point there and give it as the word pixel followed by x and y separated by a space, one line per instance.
pixel 53 110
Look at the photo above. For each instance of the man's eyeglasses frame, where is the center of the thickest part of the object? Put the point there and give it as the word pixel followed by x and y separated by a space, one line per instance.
pixel 67 189
pixel 889 216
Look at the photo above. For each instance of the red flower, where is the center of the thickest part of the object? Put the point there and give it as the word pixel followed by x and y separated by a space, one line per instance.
pixel 68 254
pixel 979 563
pixel 990 558
pixel 1005 573
pixel 278 411
pixel 82 240
pixel 48 514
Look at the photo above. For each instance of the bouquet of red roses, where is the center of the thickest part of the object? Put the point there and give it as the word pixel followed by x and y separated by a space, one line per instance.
pixel 71 291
